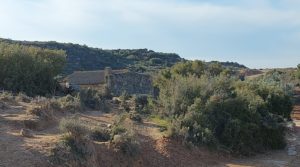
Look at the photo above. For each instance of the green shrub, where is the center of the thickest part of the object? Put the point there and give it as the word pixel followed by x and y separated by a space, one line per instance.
pixel 118 126
pixel 221 112
pixel 155 61
pixel 93 99
pixel 30 69
pixel 163 123
pixel 143 104
pixel 118 129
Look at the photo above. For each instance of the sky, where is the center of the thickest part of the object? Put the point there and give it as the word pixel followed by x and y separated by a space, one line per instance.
pixel 256 33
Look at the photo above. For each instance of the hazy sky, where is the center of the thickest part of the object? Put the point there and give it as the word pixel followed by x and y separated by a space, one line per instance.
pixel 257 33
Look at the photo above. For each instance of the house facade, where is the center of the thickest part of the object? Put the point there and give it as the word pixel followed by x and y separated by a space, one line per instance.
pixel 117 81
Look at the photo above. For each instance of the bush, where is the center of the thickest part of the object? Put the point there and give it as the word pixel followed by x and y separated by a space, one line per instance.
pixel 42 111
pixel 74 149
pixel 118 126
pixel 73 127
pixel 100 134
pixel 136 117
pixel 118 129
pixel 67 104
pixel 224 113
pixel 29 69
pixel 126 143
pixel 7 97
pixel 155 61
pixel 141 103
pixel 93 99
pixel 71 152
pixel 23 98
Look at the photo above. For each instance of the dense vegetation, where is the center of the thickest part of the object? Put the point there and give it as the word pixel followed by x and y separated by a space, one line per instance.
pixel 209 106
pixel 81 57
pixel 29 69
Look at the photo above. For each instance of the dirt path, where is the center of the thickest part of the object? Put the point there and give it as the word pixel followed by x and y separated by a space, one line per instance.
pixel 16 150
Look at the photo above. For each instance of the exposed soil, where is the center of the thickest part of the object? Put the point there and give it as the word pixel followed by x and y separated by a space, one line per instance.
pixel 156 150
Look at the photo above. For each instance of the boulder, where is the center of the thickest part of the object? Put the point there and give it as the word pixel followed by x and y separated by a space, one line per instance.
pixel 292 151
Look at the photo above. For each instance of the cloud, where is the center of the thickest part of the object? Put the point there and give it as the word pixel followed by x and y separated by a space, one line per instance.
pixel 208 29
pixel 78 14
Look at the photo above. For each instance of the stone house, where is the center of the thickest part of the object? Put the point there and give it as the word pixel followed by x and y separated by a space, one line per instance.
pixel 117 81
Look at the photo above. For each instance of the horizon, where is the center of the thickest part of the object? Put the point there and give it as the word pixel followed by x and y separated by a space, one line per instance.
pixel 257 34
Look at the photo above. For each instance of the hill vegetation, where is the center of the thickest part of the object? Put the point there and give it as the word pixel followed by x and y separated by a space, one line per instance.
pixel 29 69
pixel 84 58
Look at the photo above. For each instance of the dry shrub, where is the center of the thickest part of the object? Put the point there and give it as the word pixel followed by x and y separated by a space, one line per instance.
pixel 7 97
pixel 74 149
pixel 136 117
pixel 74 127
pixel 124 139
pixel 42 111
pixel 23 98
pixel 3 105
pixel 100 134
pixel 69 104
pixel 126 143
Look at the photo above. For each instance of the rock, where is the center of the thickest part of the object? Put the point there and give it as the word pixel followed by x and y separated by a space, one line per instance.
pixel 109 125
pixel 117 137
pixel 115 100
pixel 26 133
pixel 292 151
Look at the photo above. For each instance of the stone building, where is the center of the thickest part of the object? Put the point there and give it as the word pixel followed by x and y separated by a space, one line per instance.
pixel 117 81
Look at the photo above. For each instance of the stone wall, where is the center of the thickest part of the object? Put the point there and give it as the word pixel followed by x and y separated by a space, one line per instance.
pixel 130 82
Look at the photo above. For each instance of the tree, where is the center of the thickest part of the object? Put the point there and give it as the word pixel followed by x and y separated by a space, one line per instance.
pixel 30 69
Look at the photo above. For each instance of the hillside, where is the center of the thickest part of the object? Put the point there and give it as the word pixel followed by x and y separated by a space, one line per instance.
pixel 82 57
